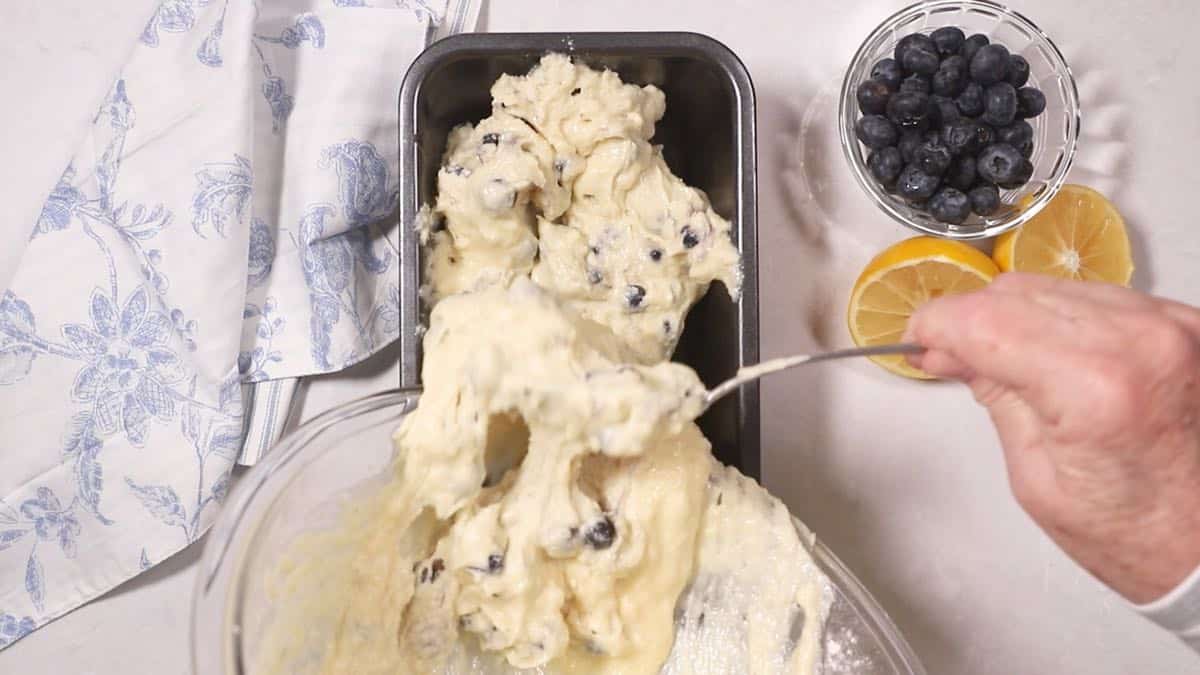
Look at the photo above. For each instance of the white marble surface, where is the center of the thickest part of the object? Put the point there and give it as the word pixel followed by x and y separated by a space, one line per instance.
pixel 905 482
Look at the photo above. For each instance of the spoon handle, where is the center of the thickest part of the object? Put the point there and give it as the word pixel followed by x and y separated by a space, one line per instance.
pixel 750 373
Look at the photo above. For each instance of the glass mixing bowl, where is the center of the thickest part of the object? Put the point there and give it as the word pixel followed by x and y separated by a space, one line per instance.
pixel 1055 131
pixel 337 455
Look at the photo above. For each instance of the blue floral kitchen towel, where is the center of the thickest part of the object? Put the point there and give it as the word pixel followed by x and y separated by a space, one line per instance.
pixel 224 229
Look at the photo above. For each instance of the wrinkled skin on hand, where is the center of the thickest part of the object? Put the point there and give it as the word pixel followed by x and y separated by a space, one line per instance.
pixel 1095 393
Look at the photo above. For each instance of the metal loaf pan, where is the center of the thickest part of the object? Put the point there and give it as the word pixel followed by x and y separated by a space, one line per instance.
pixel 708 140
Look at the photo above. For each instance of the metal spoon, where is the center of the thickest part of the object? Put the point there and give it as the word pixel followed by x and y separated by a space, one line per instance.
pixel 750 373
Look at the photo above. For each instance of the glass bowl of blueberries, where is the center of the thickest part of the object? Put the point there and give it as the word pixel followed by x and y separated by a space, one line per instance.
pixel 959 118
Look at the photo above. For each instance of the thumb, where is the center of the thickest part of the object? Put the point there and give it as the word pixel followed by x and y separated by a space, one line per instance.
pixel 1031 473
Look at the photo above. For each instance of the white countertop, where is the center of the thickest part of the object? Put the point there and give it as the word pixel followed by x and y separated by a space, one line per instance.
pixel 905 482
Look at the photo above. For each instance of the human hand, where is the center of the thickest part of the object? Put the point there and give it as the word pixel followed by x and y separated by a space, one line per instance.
pixel 1095 392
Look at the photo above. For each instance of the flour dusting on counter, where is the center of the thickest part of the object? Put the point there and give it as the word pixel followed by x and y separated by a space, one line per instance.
pixel 554 507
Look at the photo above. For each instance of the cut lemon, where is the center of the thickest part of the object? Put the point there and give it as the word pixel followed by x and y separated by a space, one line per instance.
pixel 1078 235
pixel 901 279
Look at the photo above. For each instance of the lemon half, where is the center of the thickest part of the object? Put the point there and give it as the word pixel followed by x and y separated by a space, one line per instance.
pixel 1078 235
pixel 901 279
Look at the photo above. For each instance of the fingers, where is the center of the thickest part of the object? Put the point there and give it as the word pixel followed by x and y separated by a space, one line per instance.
pixel 998 336
pixel 1187 316
pixel 1093 302
pixel 1018 426
pixel 1097 294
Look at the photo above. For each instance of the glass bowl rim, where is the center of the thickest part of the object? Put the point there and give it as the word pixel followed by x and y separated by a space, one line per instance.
pixel 228 543
pixel 857 161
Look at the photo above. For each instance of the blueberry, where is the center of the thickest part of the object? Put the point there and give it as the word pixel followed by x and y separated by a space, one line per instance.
pixel 990 64
pixel 972 45
pixel 495 563
pixel 656 254
pixel 956 61
pixel 888 71
pixel 689 238
pixel 984 135
pixel 951 77
pixel 945 110
pixel 960 137
pixel 908 144
pixel 915 185
pixel 949 40
pixel 1018 71
pixel 961 174
pixel 493 139
pixel 932 157
pixel 999 163
pixel 601 534
pixel 1031 102
pixel 918 84
pixel 872 97
pixel 999 104
pixel 970 101
pixel 909 110
pixel 885 165
pixel 634 294
pixel 985 199
pixel 1019 134
pixel 875 131
pixel 916 41
pixel 918 60
pixel 1021 175
pixel 949 205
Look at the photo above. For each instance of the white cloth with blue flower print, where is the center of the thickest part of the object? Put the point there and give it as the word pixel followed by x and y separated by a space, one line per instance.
pixel 224 228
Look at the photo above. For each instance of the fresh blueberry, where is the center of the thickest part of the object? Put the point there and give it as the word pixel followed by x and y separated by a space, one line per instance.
pixel 1031 102
pixel 999 104
pixel 961 137
pixel 888 71
pixel 1019 134
pixel 945 109
pixel 909 110
pixel 949 39
pixel 1021 175
pixel 990 64
pixel 972 45
pixel 908 144
pixel 999 163
pixel 957 61
pixel 932 157
pixel 916 41
pixel 872 97
pixel 984 135
pixel 885 165
pixel 875 131
pixel 961 174
pixel 985 199
pixel 918 84
pixel 915 185
pixel 951 77
pixel 601 534
pixel 949 205
pixel 970 101
pixel 1018 71
pixel 921 61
